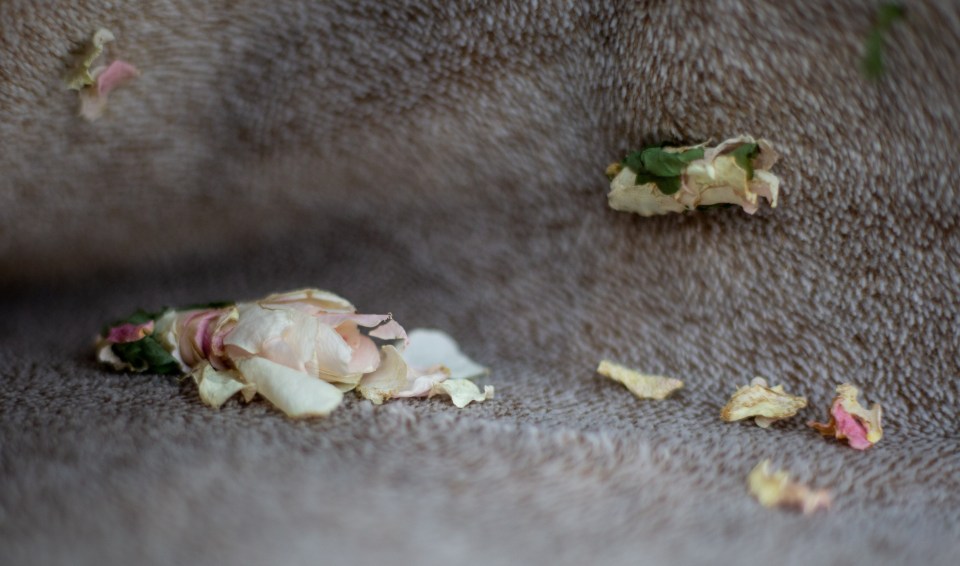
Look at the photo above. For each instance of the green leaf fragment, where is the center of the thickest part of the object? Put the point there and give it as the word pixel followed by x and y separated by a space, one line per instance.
pixel 744 156
pixel 668 164
pixel 147 354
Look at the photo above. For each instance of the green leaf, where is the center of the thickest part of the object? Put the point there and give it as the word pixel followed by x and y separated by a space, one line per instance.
pixel 147 354
pixel 634 162
pixel 744 156
pixel 668 164
pixel 668 185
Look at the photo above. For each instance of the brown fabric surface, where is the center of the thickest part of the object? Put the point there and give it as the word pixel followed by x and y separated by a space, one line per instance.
pixel 444 163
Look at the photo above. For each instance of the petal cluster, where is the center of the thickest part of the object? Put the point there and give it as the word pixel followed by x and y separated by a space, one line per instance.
pixel 735 172
pixel 301 350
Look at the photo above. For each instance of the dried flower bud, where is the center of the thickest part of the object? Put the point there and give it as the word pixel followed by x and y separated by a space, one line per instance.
pixel 850 421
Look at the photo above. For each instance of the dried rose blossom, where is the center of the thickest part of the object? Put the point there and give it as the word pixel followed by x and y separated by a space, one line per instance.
pixel 660 180
pixel 642 385
pixel 850 421
pixel 95 83
pixel 775 488
pixel 765 404
pixel 301 350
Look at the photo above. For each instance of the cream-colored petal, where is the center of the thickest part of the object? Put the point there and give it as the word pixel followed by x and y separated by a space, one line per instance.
pixel 389 379
pixel 215 387
pixel 645 200
pixel 331 356
pixel 430 347
pixel 420 384
pixel 295 393
pixel 256 326
pixel 365 356
pixel 642 385
pixel 391 330
pixel 309 300
pixel 775 488
pixel 766 404
pixel 462 392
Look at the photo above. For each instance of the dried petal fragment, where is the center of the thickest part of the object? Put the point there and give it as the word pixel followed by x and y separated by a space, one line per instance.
pixel 734 172
pixel 80 76
pixel 642 385
pixel 765 404
pixel 216 387
pixel 93 99
pixel 462 392
pixel 776 488
pixel 850 421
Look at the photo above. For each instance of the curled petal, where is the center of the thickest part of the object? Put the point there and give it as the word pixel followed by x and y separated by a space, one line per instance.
pixel 313 301
pixel 642 385
pixel 216 387
pixel 462 392
pixel 388 380
pixel 765 404
pixel 129 332
pixel 295 393
pixel 93 99
pixel 850 421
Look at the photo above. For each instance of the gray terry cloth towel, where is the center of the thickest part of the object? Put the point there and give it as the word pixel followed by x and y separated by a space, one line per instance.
pixel 444 162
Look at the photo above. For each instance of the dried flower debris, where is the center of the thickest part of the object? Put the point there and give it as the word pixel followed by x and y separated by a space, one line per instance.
pixel 850 421
pixel 95 84
pixel 774 489
pixel 660 180
pixel 642 385
pixel 300 350
pixel 764 404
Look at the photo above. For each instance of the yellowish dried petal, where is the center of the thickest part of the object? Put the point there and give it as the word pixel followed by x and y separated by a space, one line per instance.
pixel 216 387
pixel 81 76
pixel 388 380
pixel 776 489
pixel 462 391
pixel 642 385
pixel 765 404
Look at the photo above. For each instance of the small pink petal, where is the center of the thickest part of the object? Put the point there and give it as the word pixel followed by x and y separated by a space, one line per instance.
pixel 390 331
pixel 116 74
pixel 849 426
pixel 129 332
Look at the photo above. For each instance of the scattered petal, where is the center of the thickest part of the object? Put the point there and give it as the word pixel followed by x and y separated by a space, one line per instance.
pixel 434 347
pixel 642 385
pixel 663 180
pixel 775 488
pixel 765 404
pixel 295 393
pixel 462 391
pixel 93 99
pixel 850 421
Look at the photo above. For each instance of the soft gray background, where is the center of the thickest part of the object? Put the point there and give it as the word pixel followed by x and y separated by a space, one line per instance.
pixel 444 162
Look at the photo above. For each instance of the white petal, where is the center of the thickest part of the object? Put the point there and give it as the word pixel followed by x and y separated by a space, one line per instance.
pixel 462 392
pixel 389 379
pixel 295 393
pixel 256 326
pixel 433 347
pixel 331 356
pixel 216 387
pixel 645 200
pixel 422 383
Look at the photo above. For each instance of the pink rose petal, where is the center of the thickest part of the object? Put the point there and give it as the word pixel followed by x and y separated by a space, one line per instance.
pixel 129 332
